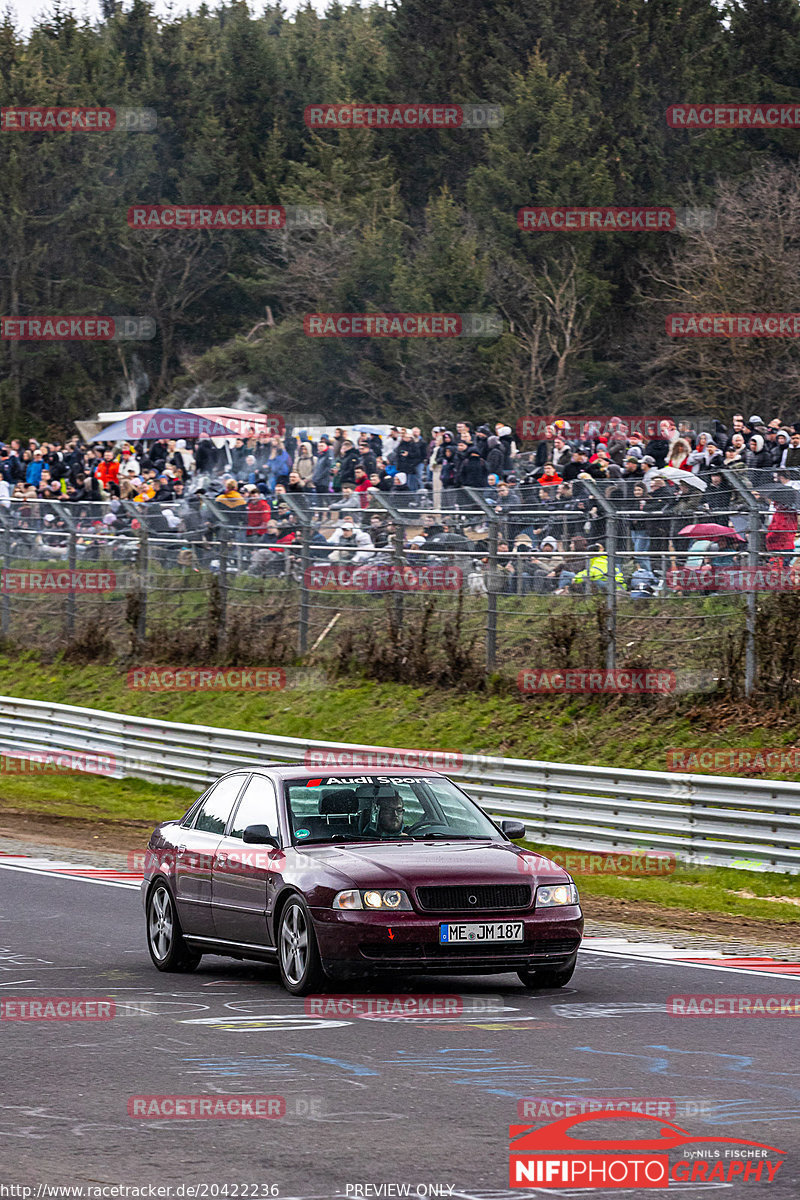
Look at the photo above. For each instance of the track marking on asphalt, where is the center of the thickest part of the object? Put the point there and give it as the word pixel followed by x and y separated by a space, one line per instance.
pixel 678 962
pixel 65 870
pixel 663 953
pixel 709 960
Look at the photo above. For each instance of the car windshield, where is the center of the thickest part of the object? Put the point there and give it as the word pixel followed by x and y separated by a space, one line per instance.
pixel 383 808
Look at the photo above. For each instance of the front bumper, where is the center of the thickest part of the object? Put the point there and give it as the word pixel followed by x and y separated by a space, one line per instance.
pixel 368 941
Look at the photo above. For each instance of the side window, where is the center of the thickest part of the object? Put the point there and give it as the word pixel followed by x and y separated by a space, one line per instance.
pixel 258 806
pixel 216 808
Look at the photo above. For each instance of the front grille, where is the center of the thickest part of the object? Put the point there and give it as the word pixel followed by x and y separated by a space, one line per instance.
pixel 503 949
pixel 474 898
pixel 432 951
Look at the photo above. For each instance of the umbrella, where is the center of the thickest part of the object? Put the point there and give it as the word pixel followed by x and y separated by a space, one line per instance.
pixel 676 475
pixel 712 532
pixel 452 541
pixel 162 423
pixel 370 429
pixel 781 495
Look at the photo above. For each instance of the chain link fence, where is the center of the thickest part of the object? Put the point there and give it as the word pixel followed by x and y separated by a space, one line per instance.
pixel 689 573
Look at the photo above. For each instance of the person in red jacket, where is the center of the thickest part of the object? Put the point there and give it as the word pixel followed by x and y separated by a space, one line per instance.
pixel 107 471
pixel 363 485
pixel 781 533
pixel 259 511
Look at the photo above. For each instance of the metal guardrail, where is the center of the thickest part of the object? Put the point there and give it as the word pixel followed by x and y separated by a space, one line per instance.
pixel 703 819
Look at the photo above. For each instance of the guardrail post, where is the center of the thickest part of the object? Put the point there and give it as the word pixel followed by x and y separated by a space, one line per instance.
pixel 72 559
pixel 754 528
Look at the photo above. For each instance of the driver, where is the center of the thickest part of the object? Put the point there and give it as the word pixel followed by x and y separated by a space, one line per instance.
pixel 389 820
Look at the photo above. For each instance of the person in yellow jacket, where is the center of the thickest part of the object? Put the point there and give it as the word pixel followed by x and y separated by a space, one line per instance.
pixel 596 571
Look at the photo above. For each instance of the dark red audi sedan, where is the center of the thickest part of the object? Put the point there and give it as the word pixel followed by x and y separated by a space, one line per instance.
pixel 334 876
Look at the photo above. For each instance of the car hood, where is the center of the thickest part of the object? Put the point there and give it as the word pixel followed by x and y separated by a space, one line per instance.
pixel 415 864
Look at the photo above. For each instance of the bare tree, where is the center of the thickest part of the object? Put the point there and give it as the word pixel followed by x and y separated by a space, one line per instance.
pixel 747 262
pixel 549 310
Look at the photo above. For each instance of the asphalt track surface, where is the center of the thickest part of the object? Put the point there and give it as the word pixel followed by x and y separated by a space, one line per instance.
pixel 369 1102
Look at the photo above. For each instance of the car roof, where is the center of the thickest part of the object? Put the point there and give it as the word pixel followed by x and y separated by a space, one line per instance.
pixel 298 771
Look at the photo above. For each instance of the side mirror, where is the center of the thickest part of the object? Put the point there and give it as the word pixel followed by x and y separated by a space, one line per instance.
pixel 513 829
pixel 260 835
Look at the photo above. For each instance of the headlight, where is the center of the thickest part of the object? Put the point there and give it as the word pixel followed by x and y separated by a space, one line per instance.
pixel 553 896
pixel 389 899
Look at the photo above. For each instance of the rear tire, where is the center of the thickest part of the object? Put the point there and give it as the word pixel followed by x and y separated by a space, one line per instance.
pixel 165 940
pixel 547 977
pixel 298 954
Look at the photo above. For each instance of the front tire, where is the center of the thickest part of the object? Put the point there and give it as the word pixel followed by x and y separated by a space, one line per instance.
pixel 547 977
pixel 165 940
pixel 298 953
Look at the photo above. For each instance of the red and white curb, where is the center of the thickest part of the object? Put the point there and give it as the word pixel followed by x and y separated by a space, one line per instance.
pixel 692 956
pixel 708 959
pixel 68 870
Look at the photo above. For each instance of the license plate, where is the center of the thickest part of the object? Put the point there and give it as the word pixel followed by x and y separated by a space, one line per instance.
pixel 493 931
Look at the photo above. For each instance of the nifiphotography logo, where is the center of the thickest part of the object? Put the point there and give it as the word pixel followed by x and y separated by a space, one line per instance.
pixel 565 1154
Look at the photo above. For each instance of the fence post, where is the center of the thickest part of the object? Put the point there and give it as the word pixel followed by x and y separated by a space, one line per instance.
pixel 754 528
pixel 493 583
pixel 72 560
pixel 222 584
pixel 305 563
pixel 5 599
pixel 305 515
pixel 492 588
pixel 142 568
pixel 611 574
pixel 611 597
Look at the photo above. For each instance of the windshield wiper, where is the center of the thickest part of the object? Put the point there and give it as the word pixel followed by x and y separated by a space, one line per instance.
pixel 461 837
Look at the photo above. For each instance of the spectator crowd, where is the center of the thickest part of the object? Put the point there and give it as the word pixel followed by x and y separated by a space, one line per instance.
pixel 552 501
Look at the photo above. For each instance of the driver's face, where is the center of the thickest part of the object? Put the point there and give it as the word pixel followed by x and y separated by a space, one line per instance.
pixel 390 816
